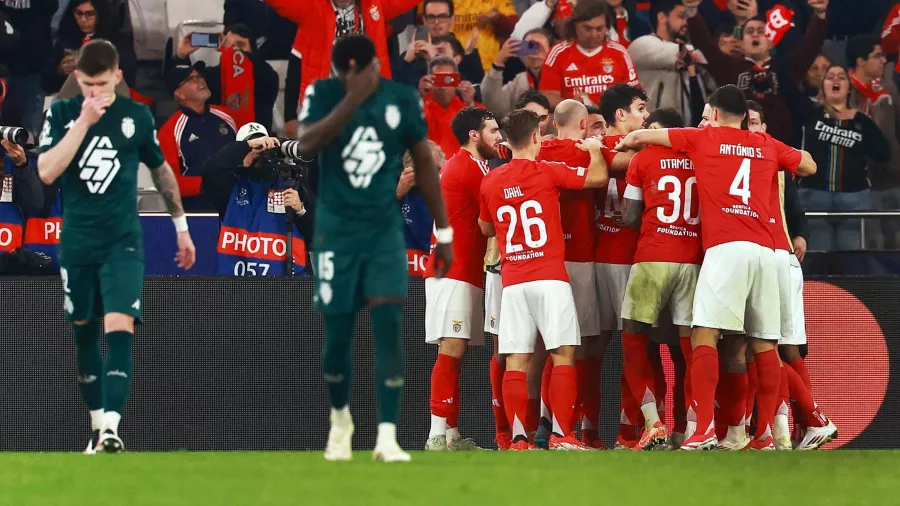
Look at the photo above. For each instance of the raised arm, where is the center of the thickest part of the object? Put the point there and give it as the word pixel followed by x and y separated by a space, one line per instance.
pixel 53 162
pixel 429 184
pixel 641 138
pixel 598 173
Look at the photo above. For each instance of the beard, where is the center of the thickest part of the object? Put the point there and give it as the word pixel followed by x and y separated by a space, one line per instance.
pixel 486 150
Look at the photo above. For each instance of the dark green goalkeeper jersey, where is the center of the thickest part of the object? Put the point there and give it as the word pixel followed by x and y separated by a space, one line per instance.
pixel 99 188
pixel 357 197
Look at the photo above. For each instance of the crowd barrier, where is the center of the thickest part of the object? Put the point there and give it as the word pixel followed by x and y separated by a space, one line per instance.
pixel 234 364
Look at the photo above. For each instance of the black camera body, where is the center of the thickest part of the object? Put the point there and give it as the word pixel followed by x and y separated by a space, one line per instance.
pixel 286 163
pixel 14 135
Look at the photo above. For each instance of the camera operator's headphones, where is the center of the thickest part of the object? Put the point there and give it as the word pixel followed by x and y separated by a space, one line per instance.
pixel 251 131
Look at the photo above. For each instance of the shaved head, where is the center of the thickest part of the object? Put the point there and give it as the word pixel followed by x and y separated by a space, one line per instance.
pixel 569 113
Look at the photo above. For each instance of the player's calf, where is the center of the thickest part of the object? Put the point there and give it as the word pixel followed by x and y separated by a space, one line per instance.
pixel 117 370
pixel 444 401
pixel 89 365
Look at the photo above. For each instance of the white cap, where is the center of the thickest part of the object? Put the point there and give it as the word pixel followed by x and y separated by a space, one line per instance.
pixel 251 130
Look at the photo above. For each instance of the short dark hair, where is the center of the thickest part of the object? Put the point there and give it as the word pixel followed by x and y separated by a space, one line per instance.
pixel 731 99
pixel 753 105
pixel 593 109
pixel 861 46
pixel 666 117
pixel 620 96
pixel 533 97
pixel 664 6
pixel 241 30
pixel 448 3
pixel 97 57
pixel 542 31
pixel 587 10
pixel 442 61
pixel 519 126
pixel 357 47
pixel 455 44
pixel 468 119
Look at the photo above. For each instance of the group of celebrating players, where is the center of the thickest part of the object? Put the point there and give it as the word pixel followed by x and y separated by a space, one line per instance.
pixel 603 233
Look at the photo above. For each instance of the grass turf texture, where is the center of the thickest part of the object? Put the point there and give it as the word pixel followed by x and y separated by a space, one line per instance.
pixel 489 478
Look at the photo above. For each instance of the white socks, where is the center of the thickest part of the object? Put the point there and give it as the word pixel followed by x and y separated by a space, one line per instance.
pixel 387 434
pixel 651 415
pixel 438 426
pixel 97 419
pixel 111 421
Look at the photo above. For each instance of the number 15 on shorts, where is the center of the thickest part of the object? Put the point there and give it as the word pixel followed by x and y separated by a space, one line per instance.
pixel 325 274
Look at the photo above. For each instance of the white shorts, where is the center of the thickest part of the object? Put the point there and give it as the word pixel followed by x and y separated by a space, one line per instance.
pixel 453 309
pixel 493 289
pixel 737 291
pixel 537 306
pixel 654 285
pixel 790 287
pixel 581 278
pixel 610 280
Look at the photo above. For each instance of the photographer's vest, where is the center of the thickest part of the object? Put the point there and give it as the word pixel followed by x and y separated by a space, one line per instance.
pixel 238 85
pixel 42 234
pixel 252 238
pixel 417 231
pixel 10 214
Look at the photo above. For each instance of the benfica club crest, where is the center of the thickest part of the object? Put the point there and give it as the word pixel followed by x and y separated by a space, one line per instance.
pixel 457 325
pixel 607 66
pixel 128 127
pixel 374 13
pixel 236 100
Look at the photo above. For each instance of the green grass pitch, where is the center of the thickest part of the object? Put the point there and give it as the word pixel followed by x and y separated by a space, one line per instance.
pixel 461 479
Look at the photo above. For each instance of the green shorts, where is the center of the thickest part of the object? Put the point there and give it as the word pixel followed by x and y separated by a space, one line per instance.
pixel 92 291
pixel 346 280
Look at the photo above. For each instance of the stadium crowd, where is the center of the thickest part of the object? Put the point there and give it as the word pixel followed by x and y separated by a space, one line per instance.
pixel 816 71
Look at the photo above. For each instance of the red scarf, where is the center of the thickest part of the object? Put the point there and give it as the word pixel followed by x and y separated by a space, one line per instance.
pixel 238 86
pixel 779 21
pixel 872 90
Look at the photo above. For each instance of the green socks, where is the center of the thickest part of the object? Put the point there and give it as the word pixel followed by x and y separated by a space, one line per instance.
pixel 89 364
pixel 117 371
pixel 337 357
pixel 386 323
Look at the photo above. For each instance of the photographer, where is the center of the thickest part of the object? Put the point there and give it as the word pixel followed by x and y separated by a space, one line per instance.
pixel 257 190
pixel 22 196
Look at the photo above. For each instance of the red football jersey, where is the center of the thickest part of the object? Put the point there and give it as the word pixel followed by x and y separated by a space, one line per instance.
pixel 574 72
pixel 776 219
pixel 575 206
pixel 734 170
pixel 521 198
pixel 670 226
pixel 614 243
pixel 461 179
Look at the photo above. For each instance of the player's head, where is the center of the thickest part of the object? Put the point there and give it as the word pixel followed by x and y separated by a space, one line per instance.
pixel 670 18
pixel 596 124
pixel 756 119
pixel 755 43
pixel 707 113
pixel 589 23
pixel 536 102
pixel 97 68
pixel 864 54
pixel 624 108
pixel 728 106
pixel 353 52
pixel 665 118
pixel 522 131
pixel 477 129
pixel 571 119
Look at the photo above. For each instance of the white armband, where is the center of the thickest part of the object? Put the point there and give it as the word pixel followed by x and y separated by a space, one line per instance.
pixel 444 235
pixel 633 193
pixel 181 224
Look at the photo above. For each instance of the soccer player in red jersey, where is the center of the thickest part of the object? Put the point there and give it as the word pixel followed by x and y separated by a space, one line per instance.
pixel 819 430
pixel 520 205
pixel 453 310
pixel 737 289
pixel 589 63
pixel 596 124
pixel 660 200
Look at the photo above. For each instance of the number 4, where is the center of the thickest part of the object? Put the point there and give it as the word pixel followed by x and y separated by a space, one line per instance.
pixel 740 187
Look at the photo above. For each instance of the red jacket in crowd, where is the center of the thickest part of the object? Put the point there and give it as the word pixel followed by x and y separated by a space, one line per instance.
pixel 316 26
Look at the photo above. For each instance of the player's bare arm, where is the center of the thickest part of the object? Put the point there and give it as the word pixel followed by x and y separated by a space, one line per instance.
pixel 54 162
pixel 641 138
pixel 167 186
pixel 598 175
pixel 487 228
pixel 807 165
pixel 360 85
pixel 621 161
pixel 430 186
pixel 631 215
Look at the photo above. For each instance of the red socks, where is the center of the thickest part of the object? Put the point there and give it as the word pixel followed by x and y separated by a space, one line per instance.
pixel 445 389
pixel 533 416
pixel 805 403
pixel 799 366
pixel 637 369
pixel 751 390
pixel 679 409
pixel 629 405
pixel 500 421
pixel 768 370
pixel 515 400
pixel 687 353
pixel 733 398
pixel 581 370
pixel 591 402
pixel 564 392
pixel 545 383
pixel 704 377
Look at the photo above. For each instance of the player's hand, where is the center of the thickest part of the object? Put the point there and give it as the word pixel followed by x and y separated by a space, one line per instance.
pixel 443 258
pixel 507 51
pixel 467 92
pixel 15 152
pixel 361 83
pixel 799 247
pixel 187 253
pixel 93 108
pixel 820 7
pixel 263 143
pixel 407 181
pixel 628 142
pixel 292 199
pixel 425 85
pixel 591 144
pixel 185 48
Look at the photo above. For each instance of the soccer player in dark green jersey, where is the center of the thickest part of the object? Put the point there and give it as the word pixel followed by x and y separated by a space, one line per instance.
pixel 94 144
pixel 360 125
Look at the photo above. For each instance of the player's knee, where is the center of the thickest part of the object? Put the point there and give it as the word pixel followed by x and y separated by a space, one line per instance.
pixel 564 355
pixel 635 327
pixel 761 345
pixel 789 352
pixel 378 301
pixel 518 362
pixel 118 322
pixel 704 336
pixel 454 347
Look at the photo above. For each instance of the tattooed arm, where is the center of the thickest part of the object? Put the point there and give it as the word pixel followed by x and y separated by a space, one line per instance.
pixel 167 186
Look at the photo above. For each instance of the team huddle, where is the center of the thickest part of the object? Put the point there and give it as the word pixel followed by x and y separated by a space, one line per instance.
pixel 602 234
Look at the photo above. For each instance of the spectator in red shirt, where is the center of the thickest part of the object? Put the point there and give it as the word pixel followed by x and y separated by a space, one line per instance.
pixel 628 26
pixel 441 103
